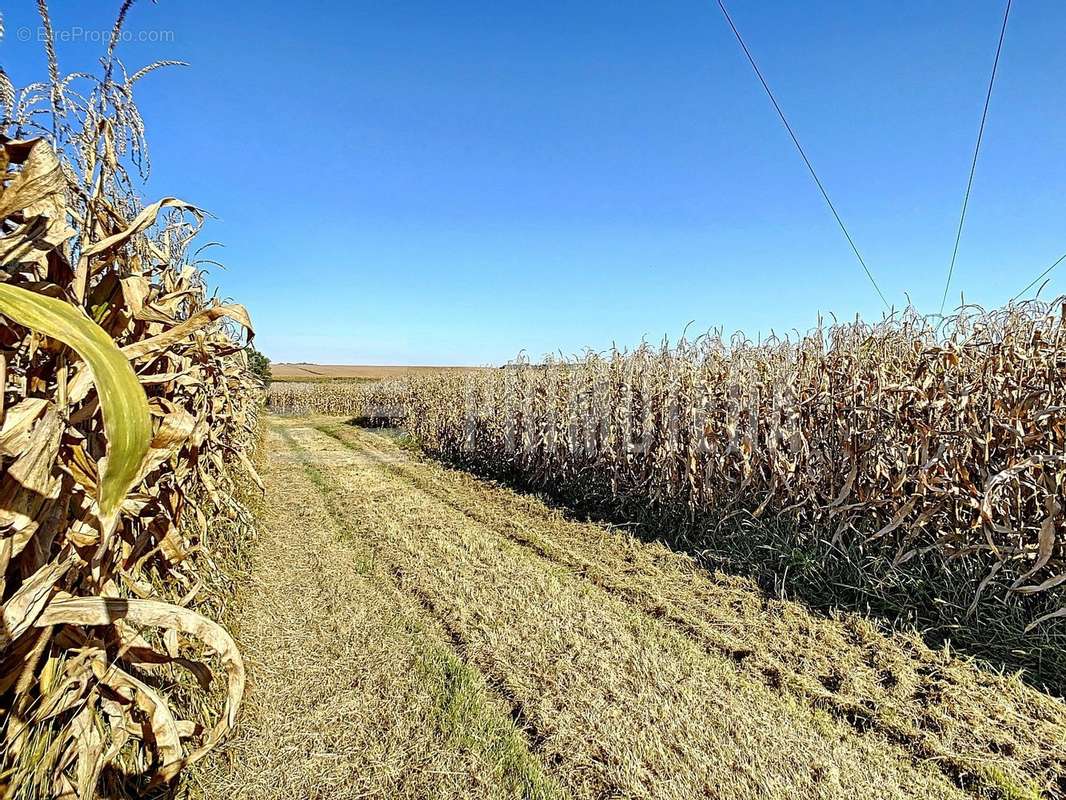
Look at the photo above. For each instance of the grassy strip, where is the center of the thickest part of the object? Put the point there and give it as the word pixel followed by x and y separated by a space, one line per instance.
pixel 467 715
pixel 470 722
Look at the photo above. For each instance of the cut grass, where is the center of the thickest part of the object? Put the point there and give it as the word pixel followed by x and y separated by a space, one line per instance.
pixel 830 576
pixel 471 725
pixel 466 715
pixel 354 692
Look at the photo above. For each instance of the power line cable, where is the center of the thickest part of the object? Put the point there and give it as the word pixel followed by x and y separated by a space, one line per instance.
pixel 976 151
pixel 803 155
pixel 1039 277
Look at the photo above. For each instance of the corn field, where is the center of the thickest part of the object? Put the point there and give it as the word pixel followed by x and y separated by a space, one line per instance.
pixel 911 436
pixel 336 398
pixel 127 410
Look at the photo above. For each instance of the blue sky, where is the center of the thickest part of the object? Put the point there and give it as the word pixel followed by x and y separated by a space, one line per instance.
pixel 446 183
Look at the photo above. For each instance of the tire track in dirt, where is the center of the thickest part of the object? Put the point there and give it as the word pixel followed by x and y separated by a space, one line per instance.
pixel 487 569
pixel 919 738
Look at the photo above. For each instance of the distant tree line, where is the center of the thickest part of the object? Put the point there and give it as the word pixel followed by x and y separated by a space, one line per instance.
pixel 259 365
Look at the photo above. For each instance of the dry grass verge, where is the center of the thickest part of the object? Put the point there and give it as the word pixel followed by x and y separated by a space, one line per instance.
pixel 354 692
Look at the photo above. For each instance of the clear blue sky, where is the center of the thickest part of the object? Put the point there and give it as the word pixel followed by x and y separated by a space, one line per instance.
pixel 431 182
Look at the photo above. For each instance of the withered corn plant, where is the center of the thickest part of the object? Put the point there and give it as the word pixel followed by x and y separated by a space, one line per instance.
pixel 905 438
pixel 127 409
pixel 332 397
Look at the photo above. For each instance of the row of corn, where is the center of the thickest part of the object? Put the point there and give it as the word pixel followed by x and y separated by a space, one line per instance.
pixel 127 410
pixel 914 437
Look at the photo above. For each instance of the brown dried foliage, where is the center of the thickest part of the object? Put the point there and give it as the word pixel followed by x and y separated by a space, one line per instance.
pixel 908 437
pixel 105 662
pixel 333 397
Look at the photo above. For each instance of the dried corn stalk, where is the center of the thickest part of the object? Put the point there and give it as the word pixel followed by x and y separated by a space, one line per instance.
pixel 911 435
pixel 105 662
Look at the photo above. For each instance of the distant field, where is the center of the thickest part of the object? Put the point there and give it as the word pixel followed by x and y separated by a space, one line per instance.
pixel 304 372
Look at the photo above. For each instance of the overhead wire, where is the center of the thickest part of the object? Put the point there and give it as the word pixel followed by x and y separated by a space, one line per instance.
pixel 976 152
pixel 802 152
